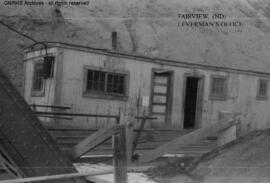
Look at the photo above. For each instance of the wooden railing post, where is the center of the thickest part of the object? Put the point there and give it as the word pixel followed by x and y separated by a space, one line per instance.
pixel 125 120
pixel 141 128
pixel 129 141
pixel 120 156
pixel 92 141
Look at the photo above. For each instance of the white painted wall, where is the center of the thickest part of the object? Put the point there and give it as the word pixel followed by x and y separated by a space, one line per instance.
pixel 49 96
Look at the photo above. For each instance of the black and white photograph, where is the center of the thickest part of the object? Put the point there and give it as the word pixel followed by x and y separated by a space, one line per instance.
pixel 134 91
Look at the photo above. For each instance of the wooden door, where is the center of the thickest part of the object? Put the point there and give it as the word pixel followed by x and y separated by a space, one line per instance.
pixel 160 99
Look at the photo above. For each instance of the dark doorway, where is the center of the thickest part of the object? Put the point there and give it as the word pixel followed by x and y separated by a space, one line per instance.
pixel 190 107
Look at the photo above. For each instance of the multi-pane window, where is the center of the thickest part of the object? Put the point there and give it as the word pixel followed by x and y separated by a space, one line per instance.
pixel 218 90
pixel 116 83
pixel 104 82
pixel 262 89
pixel 95 81
pixel 38 77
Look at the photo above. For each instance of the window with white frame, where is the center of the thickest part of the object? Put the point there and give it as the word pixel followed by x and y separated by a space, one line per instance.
pixel 104 82
pixel 262 89
pixel 218 89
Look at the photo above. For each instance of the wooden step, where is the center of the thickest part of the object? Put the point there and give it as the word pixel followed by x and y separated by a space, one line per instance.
pixel 63 137
pixel 147 146
pixel 72 133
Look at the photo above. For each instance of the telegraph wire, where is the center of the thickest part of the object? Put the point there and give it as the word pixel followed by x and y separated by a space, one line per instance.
pixel 18 32
pixel 32 39
pixel 24 35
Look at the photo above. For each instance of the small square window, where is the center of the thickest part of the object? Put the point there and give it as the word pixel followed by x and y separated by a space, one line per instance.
pixel 218 89
pixel 38 81
pixel 262 89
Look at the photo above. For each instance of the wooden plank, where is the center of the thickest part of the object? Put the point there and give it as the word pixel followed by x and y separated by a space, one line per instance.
pixel 7 165
pixel 71 129
pixel 129 142
pixel 161 99
pixel 181 141
pixel 160 94
pixel 160 84
pixel 120 156
pixel 55 177
pixel 159 103
pixel 228 134
pixel 159 113
pixel 92 141
pixel 138 135
pixel 160 79
pixel 160 89
pixel 61 137
pixel 159 109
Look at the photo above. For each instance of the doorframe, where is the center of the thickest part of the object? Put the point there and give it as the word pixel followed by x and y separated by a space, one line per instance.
pixel 168 117
pixel 199 102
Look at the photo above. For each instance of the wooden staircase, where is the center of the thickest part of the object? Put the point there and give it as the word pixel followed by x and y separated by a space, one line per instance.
pixel 184 141
pixel 149 140
pixel 151 144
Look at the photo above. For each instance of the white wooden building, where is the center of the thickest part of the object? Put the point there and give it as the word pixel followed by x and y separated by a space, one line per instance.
pixel 182 95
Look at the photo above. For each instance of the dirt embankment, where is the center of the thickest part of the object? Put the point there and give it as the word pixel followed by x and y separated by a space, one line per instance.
pixel 246 161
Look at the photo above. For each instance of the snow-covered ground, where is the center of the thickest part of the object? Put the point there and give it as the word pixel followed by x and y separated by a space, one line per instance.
pixel 108 178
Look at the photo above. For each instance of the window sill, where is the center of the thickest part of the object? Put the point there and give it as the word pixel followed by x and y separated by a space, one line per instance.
pixel 261 97
pixel 105 96
pixel 37 93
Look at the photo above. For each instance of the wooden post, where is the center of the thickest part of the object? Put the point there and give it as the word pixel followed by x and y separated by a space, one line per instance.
pixel 120 156
pixel 53 178
pixel 129 142
pixel 136 141
pixel 121 119
pixel 125 120
pixel 141 128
